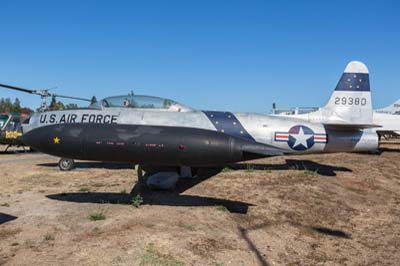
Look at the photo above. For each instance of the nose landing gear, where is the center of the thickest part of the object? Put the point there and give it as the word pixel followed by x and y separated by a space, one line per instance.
pixel 66 164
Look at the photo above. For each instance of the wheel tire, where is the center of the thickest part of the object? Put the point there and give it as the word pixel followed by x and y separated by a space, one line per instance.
pixel 66 164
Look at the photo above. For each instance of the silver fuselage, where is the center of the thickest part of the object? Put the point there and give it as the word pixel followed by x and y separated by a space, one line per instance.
pixel 291 135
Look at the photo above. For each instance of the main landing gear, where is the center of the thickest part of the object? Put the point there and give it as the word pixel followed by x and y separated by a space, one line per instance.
pixel 66 164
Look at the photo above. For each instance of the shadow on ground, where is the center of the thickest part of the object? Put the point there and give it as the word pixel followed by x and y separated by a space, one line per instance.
pixel 153 198
pixel 383 150
pixel 162 198
pixel 261 257
pixel 175 198
pixel 12 151
pixel 4 218
pixel 244 234
pixel 321 169
pixel 331 232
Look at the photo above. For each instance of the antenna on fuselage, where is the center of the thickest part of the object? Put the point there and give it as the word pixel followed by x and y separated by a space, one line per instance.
pixel 273 108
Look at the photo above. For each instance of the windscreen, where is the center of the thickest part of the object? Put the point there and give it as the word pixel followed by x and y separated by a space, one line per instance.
pixel 3 120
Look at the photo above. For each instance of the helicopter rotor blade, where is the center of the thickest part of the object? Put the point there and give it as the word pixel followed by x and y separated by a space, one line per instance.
pixel 70 97
pixel 43 93
pixel 18 89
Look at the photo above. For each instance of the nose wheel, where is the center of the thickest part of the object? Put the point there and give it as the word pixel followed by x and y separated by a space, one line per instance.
pixel 141 177
pixel 66 164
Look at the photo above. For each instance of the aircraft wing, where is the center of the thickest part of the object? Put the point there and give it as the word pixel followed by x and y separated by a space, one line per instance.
pixel 261 150
pixel 388 132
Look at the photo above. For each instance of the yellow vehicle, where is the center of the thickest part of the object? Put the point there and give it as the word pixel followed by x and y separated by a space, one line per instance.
pixel 11 129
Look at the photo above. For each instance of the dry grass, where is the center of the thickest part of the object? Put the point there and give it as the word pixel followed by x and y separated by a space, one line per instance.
pixel 330 209
pixel 9 233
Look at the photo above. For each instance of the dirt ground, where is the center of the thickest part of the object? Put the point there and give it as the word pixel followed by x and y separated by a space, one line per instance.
pixel 330 209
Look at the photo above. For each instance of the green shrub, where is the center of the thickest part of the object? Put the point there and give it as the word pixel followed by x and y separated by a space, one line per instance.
pixel 137 201
pixel 97 216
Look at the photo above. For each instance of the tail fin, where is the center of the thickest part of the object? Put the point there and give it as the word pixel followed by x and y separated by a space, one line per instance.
pixel 393 109
pixel 350 103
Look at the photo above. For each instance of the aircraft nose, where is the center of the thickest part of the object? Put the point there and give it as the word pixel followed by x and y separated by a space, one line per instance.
pixel 28 139
pixel 36 138
pixel 58 140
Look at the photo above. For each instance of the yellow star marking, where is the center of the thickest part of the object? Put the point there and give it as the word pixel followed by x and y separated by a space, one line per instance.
pixel 216 123
pixel 222 130
pixel 241 132
pixel 234 123
pixel 56 140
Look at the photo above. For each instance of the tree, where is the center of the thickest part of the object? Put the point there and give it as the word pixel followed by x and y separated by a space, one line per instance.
pixel 16 106
pixel 54 105
pixel 6 106
pixel 71 106
pixel 26 110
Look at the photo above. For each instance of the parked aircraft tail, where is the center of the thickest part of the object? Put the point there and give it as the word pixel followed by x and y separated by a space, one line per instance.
pixel 350 104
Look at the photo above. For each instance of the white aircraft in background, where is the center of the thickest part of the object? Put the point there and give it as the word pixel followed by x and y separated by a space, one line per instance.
pixel 387 118
pixel 393 109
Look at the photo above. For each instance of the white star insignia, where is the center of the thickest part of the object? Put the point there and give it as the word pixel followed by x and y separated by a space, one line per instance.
pixel 301 139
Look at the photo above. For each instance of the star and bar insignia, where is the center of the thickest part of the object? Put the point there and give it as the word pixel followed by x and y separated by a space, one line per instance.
pixel 300 137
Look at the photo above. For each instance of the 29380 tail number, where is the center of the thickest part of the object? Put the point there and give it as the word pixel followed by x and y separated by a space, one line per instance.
pixel 350 101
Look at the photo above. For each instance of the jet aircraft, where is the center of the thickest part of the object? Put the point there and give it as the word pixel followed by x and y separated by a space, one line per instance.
pixel 393 109
pixel 389 118
pixel 170 140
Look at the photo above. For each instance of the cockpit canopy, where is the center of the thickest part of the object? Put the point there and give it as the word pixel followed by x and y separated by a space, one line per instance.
pixel 141 102
pixel 3 120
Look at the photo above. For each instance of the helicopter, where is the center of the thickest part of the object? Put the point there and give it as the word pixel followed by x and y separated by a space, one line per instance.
pixel 169 140
pixel 44 94
pixel 11 123
pixel 11 129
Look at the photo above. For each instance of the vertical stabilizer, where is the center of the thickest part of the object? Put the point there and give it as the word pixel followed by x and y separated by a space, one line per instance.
pixel 350 102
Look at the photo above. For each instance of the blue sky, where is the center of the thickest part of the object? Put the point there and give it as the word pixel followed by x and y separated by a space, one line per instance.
pixel 218 55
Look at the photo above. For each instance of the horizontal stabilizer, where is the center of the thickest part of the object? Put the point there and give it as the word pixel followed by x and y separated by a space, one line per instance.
pixel 344 126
